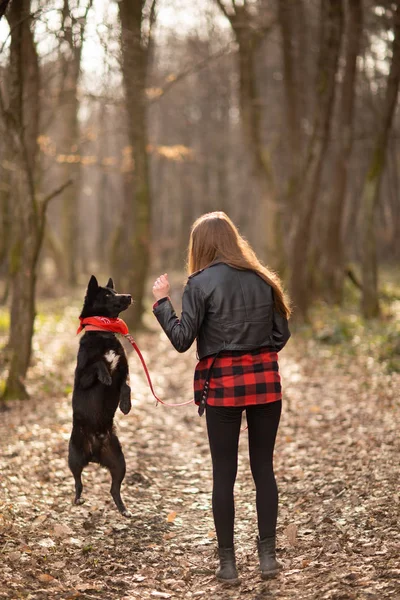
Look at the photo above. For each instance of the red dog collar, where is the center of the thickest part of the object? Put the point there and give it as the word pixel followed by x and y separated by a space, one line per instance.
pixel 104 324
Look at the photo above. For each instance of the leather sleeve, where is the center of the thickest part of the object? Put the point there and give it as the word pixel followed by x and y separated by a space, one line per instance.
pixel 182 332
pixel 280 331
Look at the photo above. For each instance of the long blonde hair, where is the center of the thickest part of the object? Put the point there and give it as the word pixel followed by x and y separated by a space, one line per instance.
pixel 214 238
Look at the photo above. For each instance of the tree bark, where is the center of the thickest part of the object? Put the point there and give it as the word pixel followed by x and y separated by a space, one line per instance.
pixel 334 259
pixel 331 34
pixel 287 14
pixel 5 213
pixel 70 145
pixel 249 34
pixel 135 53
pixel 370 196
pixel 5 226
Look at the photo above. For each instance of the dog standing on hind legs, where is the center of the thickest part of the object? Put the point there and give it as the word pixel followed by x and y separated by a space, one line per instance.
pixel 101 385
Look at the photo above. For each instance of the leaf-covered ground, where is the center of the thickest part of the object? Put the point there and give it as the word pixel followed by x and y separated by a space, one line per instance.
pixel 337 465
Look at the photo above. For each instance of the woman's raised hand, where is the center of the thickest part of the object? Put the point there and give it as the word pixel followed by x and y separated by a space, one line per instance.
pixel 161 287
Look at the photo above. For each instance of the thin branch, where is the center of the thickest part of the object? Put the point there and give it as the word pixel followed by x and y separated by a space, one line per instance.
pixel 194 69
pixel 34 15
pixel 54 194
pixel 43 208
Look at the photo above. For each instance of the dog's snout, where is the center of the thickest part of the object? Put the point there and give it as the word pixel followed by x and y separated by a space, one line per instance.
pixel 129 298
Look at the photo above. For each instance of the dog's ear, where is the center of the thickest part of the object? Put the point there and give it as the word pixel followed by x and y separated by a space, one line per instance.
pixel 110 284
pixel 93 286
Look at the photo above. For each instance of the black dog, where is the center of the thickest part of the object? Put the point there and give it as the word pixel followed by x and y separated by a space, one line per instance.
pixel 100 386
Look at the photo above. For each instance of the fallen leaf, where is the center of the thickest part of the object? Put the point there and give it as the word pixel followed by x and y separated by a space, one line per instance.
pixel 171 517
pixel 191 490
pixel 62 530
pixel 39 520
pixel 291 534
pixel 47 543
pixel 13 556
pixel 45 578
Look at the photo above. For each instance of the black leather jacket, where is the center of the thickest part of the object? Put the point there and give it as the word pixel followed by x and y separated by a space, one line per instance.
pixel 226 309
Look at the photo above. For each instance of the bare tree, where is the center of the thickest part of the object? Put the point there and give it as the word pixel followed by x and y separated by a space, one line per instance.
pixel 20 115
pixel 308 187
pixel 137 19
pixel 372 183
pixel 73 32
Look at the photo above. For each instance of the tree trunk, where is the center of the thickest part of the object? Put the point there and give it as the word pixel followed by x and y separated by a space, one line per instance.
pixel 287 14
pixel 134 69
pixel 251 115
pixel 23 278
pixel 23 123
pixel 331 34
pixel 370 196
pixel 334 265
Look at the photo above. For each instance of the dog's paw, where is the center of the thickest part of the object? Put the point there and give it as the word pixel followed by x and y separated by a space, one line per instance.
pixel 105 377
pixel 125 405
pixel 79 501
pixel 126 514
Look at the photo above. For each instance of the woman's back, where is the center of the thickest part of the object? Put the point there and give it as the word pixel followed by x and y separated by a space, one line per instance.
pixel 238 309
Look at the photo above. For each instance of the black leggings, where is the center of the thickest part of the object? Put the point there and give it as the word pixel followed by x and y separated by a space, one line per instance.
pixel 223 425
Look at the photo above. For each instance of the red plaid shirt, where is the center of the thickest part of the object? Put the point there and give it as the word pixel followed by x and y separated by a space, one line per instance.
pixel 239 379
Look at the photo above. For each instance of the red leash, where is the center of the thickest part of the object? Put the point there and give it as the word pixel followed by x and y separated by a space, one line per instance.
pixel 119 326
pixel 130 339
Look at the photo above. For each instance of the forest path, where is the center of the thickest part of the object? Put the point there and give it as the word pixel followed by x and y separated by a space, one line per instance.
pixel 337 466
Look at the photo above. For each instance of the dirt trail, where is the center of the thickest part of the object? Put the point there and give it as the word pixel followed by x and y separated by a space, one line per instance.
pixel 337 465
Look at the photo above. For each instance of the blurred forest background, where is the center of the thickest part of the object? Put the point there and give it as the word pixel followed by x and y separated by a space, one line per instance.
pixel 122 122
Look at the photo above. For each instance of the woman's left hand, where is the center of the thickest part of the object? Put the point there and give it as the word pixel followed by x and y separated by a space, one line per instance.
pixel 161 287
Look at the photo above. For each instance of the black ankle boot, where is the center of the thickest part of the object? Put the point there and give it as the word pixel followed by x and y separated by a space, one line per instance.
pixel 227 572
pixel 266 553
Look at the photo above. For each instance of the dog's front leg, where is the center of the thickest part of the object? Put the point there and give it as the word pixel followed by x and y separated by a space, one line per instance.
pixel 125 398
pixel 97 370
pixel 103 373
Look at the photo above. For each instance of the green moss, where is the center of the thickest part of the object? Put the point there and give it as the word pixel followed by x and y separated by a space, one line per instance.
pixel 4 320
pixel 377 164
pixel 15 257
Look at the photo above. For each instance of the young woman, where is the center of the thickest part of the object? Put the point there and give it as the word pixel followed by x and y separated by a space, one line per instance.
pixel 236 310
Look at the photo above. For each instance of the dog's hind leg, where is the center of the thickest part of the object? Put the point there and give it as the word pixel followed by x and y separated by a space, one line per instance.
pixel 111 456
pixel 76 463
